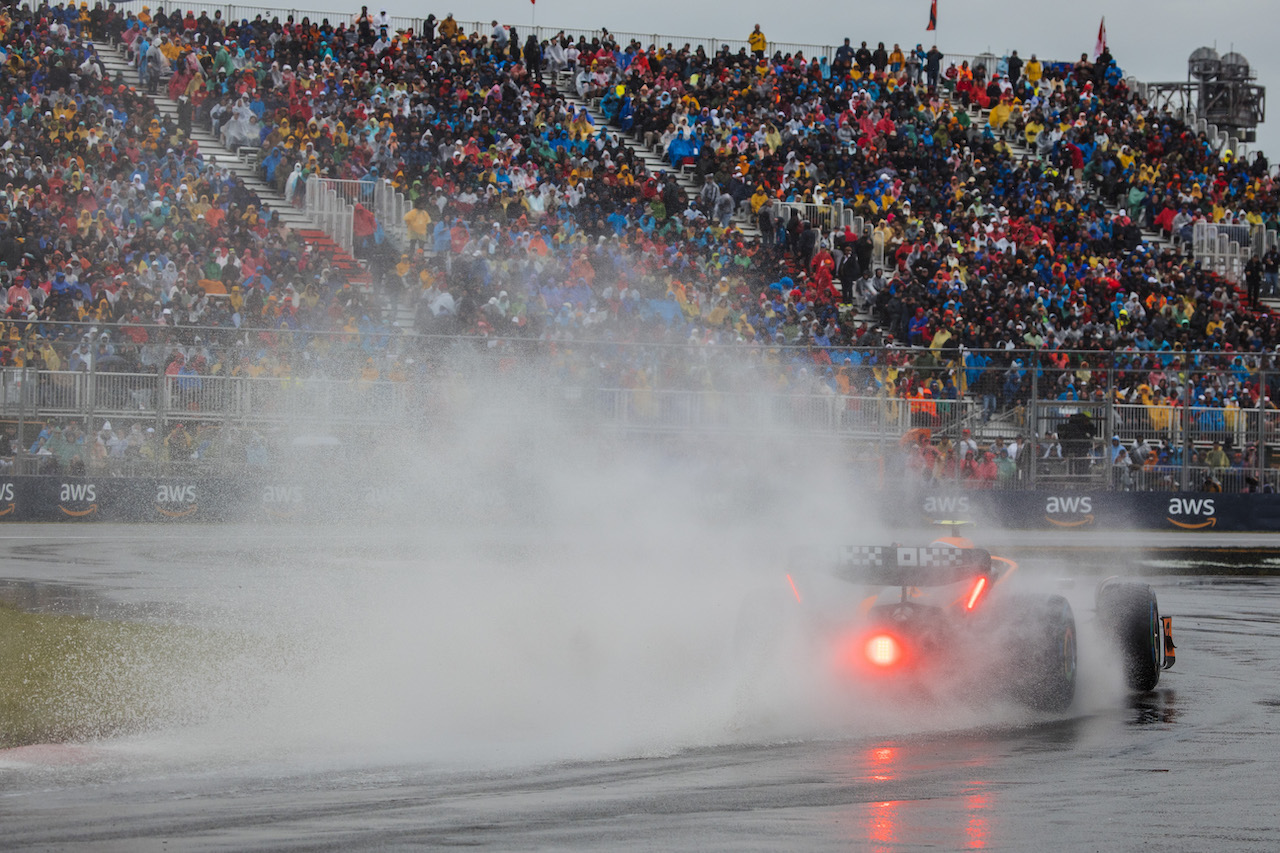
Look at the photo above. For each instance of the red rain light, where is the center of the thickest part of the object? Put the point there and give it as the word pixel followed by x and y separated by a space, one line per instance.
pixel 795 591
pixel 976 593
pixel 883 650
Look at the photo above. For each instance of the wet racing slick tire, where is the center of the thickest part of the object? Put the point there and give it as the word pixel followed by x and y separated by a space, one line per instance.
pixel 1130 615
pixel 1043 651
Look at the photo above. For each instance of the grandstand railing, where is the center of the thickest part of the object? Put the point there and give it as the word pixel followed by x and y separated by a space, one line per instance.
pixel 389 208
pixel 828 218
pixel 1264 239
pixel 831 220
pixel 877 419
pixel 234 12
pixel 328 203
pixel 38 395
pixel 1222 249
pixel 337 199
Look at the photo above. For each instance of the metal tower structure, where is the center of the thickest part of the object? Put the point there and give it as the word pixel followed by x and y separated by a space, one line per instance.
pixel 1219 89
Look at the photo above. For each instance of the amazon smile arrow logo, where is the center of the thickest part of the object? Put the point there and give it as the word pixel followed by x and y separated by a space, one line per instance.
pixel 1213 522
pixel 1088 519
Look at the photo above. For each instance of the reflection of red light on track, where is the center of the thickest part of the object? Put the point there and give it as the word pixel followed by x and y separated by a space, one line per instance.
pixel 977 830
pixel 976 593
pixel 882 824
pixel 795 591
pixel 882 760
pixel 883 650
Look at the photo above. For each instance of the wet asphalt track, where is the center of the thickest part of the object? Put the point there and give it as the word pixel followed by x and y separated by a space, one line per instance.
pixel 1193 767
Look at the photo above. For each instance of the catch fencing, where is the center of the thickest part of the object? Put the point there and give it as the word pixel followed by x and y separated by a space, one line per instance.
pixel 1190 416
pixel 160 400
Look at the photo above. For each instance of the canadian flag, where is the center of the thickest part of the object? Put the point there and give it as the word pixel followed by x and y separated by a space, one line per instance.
pixel 1102 38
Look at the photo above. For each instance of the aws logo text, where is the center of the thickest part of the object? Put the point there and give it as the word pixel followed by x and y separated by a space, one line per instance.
pixel 946 503
pixel 281 502
pixel 1195 507
pixel 1064 505
pixel 78 493
pixel 1079 508
pixel 282 495
pixel 166 494
pixel 176 501
pixel 1191 506
pixel 6 496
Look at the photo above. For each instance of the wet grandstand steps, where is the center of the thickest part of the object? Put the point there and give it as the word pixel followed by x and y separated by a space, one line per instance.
pixel 352 270
pixel 652 158
pixel 243 163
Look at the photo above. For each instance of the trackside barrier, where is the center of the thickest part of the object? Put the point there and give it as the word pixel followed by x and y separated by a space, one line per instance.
pixel 261 497
pixel 1083 511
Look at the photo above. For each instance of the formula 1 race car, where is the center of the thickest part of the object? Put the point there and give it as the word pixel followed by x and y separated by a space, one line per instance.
pixel 944 614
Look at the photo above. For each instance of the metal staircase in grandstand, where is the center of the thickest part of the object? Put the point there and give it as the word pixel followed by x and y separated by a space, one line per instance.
pixel 979 116
pixel 1155 239
pixel 653 158
pixel 654 162
pixel 243 164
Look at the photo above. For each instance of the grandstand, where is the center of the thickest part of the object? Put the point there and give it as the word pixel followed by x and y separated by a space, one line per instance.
pixel 325 203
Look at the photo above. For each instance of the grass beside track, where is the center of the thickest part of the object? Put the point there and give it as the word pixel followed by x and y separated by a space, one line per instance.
pixel 70 678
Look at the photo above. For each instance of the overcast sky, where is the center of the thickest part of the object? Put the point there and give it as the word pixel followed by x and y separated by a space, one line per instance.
pixel 1149 39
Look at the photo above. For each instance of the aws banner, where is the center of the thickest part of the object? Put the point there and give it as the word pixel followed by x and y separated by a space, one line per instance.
pixel 1043 510
pixel 178 500
pixel 115 499
pixel 88 499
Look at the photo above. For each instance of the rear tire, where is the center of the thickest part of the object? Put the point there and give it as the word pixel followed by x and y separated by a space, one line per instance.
pixel 1044 655
pixel 1130 615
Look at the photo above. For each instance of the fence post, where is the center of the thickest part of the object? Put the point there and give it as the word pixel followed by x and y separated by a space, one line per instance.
pixel 19 453
pixel 1110 411
pixel 1033 419
pixel 162 406
pixel 1258 463
pixel 91 393
pixel 1186 436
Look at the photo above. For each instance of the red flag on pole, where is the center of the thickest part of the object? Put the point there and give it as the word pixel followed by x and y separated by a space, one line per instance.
pixel 1102 38
pixel 933 16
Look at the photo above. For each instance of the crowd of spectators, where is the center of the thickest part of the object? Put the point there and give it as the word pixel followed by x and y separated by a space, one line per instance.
pixel 111 218
pixel 532 223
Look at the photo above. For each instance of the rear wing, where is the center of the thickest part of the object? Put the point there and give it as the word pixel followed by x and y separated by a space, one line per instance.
pixel 898 566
